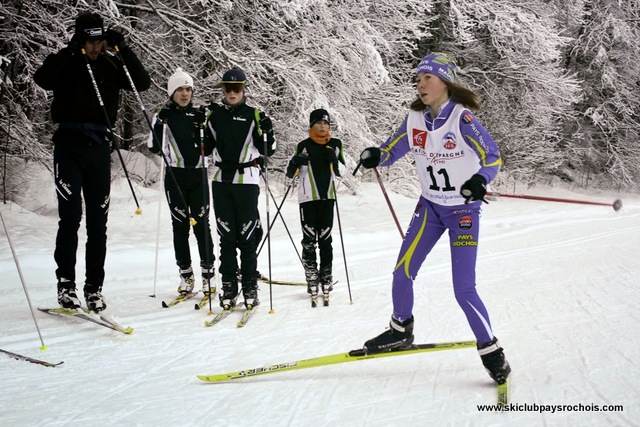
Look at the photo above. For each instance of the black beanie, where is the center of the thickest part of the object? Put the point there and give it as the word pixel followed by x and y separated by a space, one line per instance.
pixel 317 115
pixel 89 26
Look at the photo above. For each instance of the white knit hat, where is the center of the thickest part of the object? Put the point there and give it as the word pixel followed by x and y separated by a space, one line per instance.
pixel 178 79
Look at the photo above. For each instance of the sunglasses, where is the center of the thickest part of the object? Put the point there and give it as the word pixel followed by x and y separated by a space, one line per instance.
pixel 233 87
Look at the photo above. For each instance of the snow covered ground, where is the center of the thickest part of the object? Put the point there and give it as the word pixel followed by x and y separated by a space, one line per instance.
pixel 560 282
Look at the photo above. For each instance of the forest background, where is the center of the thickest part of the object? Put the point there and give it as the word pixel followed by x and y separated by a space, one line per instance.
pixel 559 81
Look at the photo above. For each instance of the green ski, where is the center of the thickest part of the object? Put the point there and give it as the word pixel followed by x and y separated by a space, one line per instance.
pixel 503 393
pixel 352 356
pixel 248 314
pixel 219 317
pixel 177 300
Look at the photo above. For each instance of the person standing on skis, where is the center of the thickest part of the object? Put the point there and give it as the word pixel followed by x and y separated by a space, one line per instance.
pixel 178 131
pixel 241 134
pixel 82 146
pixel 455 159
pixel 318 160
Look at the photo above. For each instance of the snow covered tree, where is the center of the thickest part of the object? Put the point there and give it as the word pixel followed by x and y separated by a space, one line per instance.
pixel 511 54
pixel 558 80
pixel 603 140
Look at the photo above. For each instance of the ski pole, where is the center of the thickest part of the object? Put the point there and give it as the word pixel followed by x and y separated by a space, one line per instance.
pixel 192 221
pixel 386 197
pixel 266 185
pixel 24 286
pixel 155 268
pixel 278 213
pixel 616 205
pixel 108 123
pixel 344 255
pixel 207 231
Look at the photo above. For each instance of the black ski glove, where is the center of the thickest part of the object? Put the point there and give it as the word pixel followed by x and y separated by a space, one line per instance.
pixel 76 43
pixel 199 116
pixel 291 170
pixel 299 160
pixel 330 155
pixel 474 189
pixel 114 38
pixel 370 157
pixel 266 124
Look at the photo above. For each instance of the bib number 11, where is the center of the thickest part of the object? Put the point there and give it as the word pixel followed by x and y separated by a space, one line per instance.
pixel 434 183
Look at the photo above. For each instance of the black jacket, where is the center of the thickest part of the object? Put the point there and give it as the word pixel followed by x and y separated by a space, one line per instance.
pixel 74 96
pixel 316 177
pixel 238 143
pixel 178 130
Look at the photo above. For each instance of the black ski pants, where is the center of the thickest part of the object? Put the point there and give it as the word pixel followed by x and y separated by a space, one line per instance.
pixel 82 170
pixel 189 199
pixel 236 211
pixel 316 218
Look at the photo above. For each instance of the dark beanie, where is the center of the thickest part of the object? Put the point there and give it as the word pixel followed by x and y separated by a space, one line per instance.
pixel 317 115
pixel 234 75
pixel 89 26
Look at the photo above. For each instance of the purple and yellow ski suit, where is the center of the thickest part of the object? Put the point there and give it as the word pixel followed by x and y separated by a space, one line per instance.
pixel 448 149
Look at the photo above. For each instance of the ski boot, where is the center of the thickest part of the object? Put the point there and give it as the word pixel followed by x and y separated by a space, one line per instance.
pixel 250 294
pixel 229 295
pixel 312 289
pixel 187 280
pixel 494 362
pixel 207 280
pixel 93 297
pixel 311 274
pixel 67 297
pixel 398 337
pixel 326 279
pixel 310 266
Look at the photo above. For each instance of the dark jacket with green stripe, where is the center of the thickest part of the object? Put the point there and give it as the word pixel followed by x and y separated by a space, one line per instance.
pixel 238 143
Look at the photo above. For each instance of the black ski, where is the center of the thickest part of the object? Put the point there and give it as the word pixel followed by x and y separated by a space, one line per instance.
pixel 84 314
pixel 30 359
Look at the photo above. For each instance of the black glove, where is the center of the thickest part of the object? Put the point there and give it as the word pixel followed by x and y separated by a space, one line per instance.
pixel 330 155
pixel 474 189
pixel 291 170
pixel 370 157
pixel 163 114
pixel 259 161
pixel 75 43
pixel 199 116
pixel 299 160
pixel 265 123
pixel 114 38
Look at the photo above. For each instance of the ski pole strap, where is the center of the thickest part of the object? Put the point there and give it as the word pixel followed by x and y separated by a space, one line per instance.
pixel 257 162
pixel 96 132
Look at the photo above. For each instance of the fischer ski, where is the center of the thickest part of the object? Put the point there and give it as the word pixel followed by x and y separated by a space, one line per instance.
pixel 205 300
pixel 30 359
pixel 177 300
pixel 281 282
pixel 351 356
pixel 503 393
pixel 84 314
pixel 218 317
pixel 248 314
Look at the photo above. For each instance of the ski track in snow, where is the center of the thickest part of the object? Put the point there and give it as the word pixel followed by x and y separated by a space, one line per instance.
pixel 559 280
